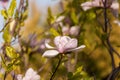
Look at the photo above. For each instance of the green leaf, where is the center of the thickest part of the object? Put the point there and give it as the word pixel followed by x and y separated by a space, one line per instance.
pixel 54 32
pixel 6 35
pixel 9 67
pixel 25 15
pixel 79 70
pixel 50 18
pixel 12 8
pixel 4 14
pixel 3 61
pixel 74 17
pixel 10 52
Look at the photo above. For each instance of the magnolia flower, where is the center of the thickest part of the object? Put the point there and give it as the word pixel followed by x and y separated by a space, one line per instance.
pixel 112 4
pixel 29 75
pixel 63 44
pixel 98 3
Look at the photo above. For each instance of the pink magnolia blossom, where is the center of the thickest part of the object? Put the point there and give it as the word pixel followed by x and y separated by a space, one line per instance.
pixel 112 4
pixel 63 44
pixel 99 3
pixel 29 75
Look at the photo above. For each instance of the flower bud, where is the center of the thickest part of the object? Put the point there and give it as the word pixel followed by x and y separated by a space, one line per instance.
pixel 74 30
pixel 65 30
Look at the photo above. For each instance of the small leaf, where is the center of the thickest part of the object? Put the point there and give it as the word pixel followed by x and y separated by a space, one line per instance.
pixel 74 17
pixel 12 8
pixel 6 35
pixel 4 14
pixel 9 67
pixel 10 52
pixel 79 70
pixel 25 15
pixel 50 18
pixel 54 32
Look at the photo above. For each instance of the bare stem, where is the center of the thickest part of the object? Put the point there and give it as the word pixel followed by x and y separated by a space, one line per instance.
pixel 108 34
pixel 60 59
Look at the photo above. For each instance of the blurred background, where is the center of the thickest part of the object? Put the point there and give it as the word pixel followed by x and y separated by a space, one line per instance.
pixel 41 25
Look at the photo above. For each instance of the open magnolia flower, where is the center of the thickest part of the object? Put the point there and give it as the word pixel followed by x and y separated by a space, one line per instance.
pixel 29 75
pixel 63 44
pixel 113 5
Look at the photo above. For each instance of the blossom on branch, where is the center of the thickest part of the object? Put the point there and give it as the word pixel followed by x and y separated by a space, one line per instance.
pixel 29 75
pixel 112 4
pixel 100 3
pixel 63 44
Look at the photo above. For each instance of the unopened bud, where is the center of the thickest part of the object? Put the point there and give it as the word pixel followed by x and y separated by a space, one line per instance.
pixel 74 30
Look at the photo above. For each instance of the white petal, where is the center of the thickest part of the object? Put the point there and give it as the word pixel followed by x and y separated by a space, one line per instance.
pixel 60 18
pixel 48 46
pixel 115 8
pixel 87 5
pixel 80 47
pixel 117 22
pixel 57 40
pixel 115 5
pixel 50 53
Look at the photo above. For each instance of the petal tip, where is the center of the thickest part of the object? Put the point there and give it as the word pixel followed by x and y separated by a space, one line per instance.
pixel 50 53
pixel 82 46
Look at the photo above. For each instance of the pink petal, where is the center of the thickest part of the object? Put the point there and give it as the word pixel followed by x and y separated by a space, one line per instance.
pixel 71 44
pixel 50 53
pixel 60 42
pixel 78 48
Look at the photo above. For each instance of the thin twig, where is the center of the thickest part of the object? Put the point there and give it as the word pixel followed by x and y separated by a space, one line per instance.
pixel 114 73
pixel 108 34
pixel 60 59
